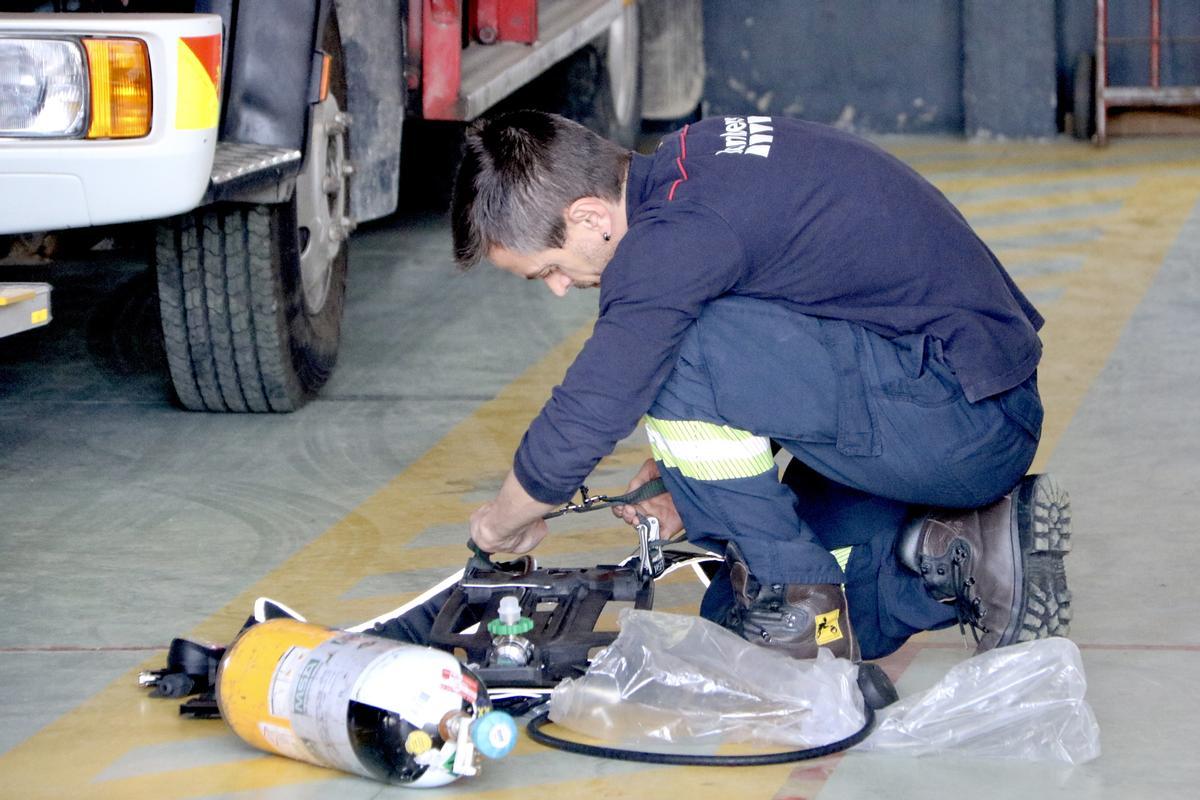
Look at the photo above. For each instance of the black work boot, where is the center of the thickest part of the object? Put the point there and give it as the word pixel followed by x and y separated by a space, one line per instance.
pixel 1002 565
pixel 795 619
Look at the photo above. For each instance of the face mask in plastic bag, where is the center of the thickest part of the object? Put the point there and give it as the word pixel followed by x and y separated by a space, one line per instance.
pixel 1023 701
pixel 685 680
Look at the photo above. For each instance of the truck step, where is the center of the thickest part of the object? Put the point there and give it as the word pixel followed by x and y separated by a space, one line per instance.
pixel 240 168
pixel 23 306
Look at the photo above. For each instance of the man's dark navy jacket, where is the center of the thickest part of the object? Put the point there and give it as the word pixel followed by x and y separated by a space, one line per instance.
pixel 792 212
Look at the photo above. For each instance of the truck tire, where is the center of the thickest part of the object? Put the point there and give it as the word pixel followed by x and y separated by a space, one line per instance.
pixel 599 85
pixel 251 296
pixel 672 33
pixel 1083 91
pixel 619 98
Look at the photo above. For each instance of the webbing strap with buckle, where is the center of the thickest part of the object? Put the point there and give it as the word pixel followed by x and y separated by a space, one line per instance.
pixel 588 502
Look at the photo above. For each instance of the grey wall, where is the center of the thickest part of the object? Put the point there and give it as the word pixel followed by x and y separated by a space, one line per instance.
pixel 1008 90
pixel 870 65
pixel 999 67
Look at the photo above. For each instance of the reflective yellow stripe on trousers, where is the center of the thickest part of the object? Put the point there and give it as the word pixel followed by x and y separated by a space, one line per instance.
pixel 708 452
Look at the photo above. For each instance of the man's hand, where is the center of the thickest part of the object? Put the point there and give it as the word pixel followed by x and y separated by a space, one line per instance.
pixel 660 506
pixel 512 522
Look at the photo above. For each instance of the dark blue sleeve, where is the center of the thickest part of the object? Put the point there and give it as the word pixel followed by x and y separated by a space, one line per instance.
pixel 672 261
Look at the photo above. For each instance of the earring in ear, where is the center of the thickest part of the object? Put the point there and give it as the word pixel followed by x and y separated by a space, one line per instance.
pixel 607 236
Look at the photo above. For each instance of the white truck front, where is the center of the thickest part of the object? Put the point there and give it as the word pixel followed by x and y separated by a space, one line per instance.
pixel 256 135
pixel 104 118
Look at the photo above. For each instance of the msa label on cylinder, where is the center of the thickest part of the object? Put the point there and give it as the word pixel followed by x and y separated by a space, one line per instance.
pixel 279 701
pixel 321 698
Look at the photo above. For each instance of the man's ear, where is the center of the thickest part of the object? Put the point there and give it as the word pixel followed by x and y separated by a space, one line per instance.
pixel 591 213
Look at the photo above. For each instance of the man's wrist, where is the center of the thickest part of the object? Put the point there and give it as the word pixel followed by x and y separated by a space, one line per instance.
pixel 516 506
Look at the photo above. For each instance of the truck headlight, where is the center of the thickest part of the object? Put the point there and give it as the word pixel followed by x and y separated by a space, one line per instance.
pixel 43 88
pixel 95 88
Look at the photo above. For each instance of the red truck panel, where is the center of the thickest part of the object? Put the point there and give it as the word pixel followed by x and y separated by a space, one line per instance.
pixel 504 21
pixel 441 57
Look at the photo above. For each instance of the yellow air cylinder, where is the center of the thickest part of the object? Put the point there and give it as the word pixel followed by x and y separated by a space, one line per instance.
pixel 359 703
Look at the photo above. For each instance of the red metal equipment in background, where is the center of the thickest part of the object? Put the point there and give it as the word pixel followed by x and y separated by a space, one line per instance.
pixel 441 57
pixel 490 22
pixel 473 54
pixel 1143 96
pixel 504 21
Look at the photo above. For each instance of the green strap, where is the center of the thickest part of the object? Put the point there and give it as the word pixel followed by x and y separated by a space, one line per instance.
pixel 649 489
pixel 644 492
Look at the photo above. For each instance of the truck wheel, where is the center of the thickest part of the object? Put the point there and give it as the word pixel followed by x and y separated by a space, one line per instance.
pixel 251 296
pixel 620 98
pixel 1084 94
pixel 672 33
pixel 600 85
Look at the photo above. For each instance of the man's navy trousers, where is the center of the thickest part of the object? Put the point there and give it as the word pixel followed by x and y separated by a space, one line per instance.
pixel 879 429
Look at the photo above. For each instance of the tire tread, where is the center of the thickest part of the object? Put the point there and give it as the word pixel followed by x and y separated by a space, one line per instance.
pixel 224 327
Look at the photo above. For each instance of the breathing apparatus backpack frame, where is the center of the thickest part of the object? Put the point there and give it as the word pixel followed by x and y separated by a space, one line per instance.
pixel 551 641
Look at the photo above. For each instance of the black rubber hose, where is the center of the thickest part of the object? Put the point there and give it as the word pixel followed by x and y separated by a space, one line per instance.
pixel 534 729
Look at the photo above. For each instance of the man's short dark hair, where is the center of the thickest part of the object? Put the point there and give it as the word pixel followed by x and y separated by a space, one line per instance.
pixel 519 174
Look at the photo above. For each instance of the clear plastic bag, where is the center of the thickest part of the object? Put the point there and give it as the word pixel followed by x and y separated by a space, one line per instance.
pixel 1025 701
pixel 684 680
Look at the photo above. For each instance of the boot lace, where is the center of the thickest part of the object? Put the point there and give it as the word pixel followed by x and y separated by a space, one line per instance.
pixel 741 620
pixel 968 606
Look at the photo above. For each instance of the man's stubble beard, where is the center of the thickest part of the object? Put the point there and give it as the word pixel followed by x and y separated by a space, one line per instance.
pixel 597 256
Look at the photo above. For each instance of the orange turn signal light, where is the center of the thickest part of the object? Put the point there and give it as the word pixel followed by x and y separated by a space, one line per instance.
pixel 120 88
pixel 326 62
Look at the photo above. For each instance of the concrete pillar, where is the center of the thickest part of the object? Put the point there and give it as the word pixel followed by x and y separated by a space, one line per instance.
pixel 1009 85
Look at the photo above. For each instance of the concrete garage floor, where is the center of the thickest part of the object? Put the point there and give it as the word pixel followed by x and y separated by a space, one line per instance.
pixel 127 522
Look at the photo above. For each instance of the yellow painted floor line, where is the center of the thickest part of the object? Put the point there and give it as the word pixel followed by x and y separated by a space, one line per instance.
pixel 1080 196
pixel 1083 326
pixel 1005 231
pixel 923 152
pixel 949 183
pixel 66 757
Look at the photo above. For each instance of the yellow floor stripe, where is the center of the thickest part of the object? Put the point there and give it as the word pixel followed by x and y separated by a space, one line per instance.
pixel 65 758
pixel 949 183
pixel 984 152
pixel 1002 232
pixel 1083 325
pixel 976 208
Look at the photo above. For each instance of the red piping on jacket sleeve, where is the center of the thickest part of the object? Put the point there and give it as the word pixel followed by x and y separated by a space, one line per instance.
pixel 679 162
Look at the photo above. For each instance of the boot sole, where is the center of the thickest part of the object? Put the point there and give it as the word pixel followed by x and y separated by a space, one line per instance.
pixel 1042 519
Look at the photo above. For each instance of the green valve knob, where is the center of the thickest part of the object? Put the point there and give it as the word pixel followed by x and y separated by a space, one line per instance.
pixel 498 628
pixel 510 622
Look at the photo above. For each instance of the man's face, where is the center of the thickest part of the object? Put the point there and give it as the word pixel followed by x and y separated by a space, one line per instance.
pixel 578 263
